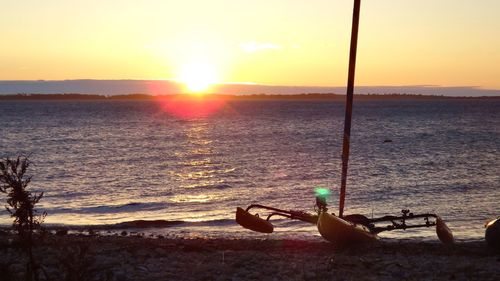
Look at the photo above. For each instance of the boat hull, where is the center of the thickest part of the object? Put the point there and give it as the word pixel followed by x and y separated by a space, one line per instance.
pixel 443 232
pixel 253 222
pixel 343 233
pixel 492 235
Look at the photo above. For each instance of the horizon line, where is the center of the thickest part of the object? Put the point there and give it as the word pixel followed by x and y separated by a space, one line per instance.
pixel 167 86
pixel 254 83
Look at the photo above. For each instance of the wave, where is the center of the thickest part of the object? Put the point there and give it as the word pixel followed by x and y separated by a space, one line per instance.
pixel 209 186
pixel 105 209
pixel 143 224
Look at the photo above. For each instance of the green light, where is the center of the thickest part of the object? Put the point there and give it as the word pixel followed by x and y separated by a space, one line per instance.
pixel 322 192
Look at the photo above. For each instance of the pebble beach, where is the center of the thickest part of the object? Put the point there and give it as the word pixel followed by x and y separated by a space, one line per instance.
pixel 135 257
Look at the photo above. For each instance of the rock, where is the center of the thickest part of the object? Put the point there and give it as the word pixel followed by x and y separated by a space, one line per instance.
pixel 120 276
pixel 123 233
pixel 143 268
pixel 160 251
pixel 309 275
pixel 61 232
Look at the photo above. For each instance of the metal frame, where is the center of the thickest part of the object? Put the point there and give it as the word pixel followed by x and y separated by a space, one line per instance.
pixel 397 222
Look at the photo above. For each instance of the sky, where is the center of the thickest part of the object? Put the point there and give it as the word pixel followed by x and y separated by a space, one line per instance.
pixel 450 43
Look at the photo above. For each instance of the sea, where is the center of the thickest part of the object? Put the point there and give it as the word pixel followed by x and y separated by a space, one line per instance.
pixel 99 163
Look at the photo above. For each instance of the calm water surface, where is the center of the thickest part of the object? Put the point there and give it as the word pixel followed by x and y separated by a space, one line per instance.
pixel 115 161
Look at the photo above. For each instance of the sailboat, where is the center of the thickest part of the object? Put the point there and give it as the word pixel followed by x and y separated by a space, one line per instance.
pixel 344 230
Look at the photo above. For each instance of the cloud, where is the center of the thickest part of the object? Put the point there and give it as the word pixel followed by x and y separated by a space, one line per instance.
pixel 252 47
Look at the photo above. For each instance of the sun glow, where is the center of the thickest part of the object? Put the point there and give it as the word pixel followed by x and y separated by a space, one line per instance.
pixel 198 76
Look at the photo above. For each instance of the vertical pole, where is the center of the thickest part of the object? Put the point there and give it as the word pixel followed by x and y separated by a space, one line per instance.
pixel 348 106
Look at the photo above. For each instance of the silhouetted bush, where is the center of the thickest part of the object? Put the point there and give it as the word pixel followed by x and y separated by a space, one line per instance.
pixel 21 205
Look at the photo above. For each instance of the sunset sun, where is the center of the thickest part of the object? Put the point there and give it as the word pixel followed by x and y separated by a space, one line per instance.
pixel 197 77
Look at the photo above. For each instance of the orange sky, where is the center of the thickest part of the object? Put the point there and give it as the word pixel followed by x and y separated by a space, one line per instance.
pixel 279 42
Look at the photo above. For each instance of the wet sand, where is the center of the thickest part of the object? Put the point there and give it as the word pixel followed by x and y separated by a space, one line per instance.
pixel 137 258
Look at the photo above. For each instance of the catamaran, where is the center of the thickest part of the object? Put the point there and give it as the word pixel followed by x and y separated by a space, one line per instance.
pixel 345 230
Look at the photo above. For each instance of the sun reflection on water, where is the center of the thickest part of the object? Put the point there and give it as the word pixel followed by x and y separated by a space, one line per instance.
pixel 197 172
pixel 191 106
pixel 197 163
pixel 199 175
pixel 200 198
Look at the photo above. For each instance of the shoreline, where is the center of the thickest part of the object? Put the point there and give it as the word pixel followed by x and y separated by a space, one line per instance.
pixel 139 258
pixel 229 229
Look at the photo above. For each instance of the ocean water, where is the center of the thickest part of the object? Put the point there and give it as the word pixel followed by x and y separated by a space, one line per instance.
pixel 100 163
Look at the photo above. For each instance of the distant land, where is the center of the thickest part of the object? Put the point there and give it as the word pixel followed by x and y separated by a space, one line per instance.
pixel 169 87
pixel 304 97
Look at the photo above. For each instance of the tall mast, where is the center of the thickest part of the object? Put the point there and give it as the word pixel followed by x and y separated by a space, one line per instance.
pixel 348 105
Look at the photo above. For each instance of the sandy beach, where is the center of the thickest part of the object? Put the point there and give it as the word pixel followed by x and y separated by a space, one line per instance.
pixel 94 257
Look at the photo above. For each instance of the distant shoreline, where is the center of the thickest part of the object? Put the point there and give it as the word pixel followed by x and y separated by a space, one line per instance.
pixel 298 97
